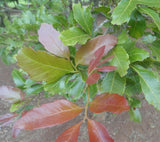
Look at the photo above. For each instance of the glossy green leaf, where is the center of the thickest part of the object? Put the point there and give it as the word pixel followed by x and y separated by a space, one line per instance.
pixel 113 83
pixel 136 24
pixel 42 66
pixel 152 3
pixel 18 79
pixel 150 85
pixel 135 115
pixel 74 35
pixel 137 54
pixel 120 60
pixel 155 16
pixel 83 17
pixel 123 11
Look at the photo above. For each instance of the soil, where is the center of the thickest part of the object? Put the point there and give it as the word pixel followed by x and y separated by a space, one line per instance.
pixel 119 126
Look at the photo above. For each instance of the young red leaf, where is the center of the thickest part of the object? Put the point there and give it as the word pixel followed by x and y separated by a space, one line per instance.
pixel 7 117
pixel 93 78
pixel 86 53
pixel 106 68
pixel 10 94
pixel 49 37
pixel 97 132
pixel 98 55
pixel 47 115
pixel 105 60
pixel 70 135
pixel 109 102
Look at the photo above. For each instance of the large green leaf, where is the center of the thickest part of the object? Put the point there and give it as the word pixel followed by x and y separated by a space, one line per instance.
pixel 137 24
pixel 74 35
pixel 152 14
pixel 151 3
pixel 83 17
pixel 123 11
pixel 120 60
pixel 137 54
pixel 113 83
pixel 42 66
pixel 150 85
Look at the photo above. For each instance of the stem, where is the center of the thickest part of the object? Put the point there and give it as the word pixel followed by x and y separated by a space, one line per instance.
pixel 86 107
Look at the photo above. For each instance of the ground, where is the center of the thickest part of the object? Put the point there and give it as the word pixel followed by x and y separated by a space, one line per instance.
pixel 119 126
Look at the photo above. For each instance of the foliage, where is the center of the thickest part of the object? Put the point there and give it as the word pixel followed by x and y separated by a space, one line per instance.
pixel 79 61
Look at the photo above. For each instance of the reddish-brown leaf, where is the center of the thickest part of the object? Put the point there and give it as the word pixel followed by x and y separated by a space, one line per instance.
pixel 97 132
pixel 93 78
pixel 7 117
pixel 94 62
pixel 106 68
pixel 70 135
pixel 105 60
pixel 47 115
pixel 109 102
pixel 10 94
pixel 86 53
pixel 49 37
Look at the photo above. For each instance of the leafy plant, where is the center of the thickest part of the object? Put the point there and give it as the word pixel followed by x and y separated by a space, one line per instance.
pixel 108 72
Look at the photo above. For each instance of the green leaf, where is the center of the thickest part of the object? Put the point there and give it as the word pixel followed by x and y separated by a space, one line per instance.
pixel 135 115
pixel 137 25
pixel 42 66
pixel 18 79
pixel 16 106
pixel 123 11
pixel 149 38
pixel 155 50
pixel 113 83
pixel 83 17
pixel 150 85
pixel 134 103
pixel 35 89
pixel 120 60
pixel 152 3
pixel 137 54
pixel 74 35
pixel 152 14
pixel 103 9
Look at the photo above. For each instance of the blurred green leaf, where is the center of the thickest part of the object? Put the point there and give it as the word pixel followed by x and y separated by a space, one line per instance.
pixel 135 115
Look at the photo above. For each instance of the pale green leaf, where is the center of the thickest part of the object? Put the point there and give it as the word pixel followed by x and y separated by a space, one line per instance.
pixel 74 35
pixel 120 60
pixel 135 115
pixel 137 54
pixel 83 17
pixel 149 38
pixel 151 3
pixel 123 11
pixel 113 83
pixel 42 66
pixel 150 85
pixel 16 106
pixel 152 14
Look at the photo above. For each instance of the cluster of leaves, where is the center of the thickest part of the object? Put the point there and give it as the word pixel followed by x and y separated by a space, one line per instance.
pixel 74 63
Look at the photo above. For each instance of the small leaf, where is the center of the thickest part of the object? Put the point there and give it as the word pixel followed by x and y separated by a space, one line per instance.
pixel 86 52
pixel 149 38
pixel 152 14
pixel 83 17
pixel 137 54
pixel 113 83
pixel 120 60
pixel 42 66
pixel 93 78
pixel 47 115
pixel 135 115
pixel 74 35
pixel 97 132
pixel 106 68
pixel 109 102
pixel 70 135
pixel 48 36
pixel 34 89
pixel 150 85
pixel 10 94
pixel 16 106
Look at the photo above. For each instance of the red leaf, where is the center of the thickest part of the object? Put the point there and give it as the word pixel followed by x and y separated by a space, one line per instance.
pixel 47 115
pixel 70 135
pixel 97 132
pixel 93 78
pixel 109 102
pixel 7 117
pixel 98 55
pixel 86 52
pixel 106 68
pixel 105 60
pixel 49 37
pixel 10 94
